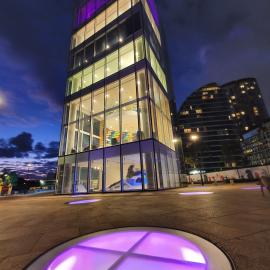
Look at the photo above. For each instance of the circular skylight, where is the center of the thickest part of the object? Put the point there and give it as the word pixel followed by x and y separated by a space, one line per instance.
pixel 135 249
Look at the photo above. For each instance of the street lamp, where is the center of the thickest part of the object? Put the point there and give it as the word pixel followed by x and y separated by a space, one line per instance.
pixel 195 138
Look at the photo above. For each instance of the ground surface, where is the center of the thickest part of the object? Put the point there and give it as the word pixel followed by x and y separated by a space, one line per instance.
pixel 235 219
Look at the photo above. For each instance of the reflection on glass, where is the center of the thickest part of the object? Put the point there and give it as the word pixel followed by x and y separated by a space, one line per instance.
pixel 81 173
pixel 132 175
pixel 69 172
pixel 96 171
pixel 113 169
pixel 60 175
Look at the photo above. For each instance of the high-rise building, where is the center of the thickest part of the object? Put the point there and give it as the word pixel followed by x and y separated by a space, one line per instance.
pixel 211 141
pixel 256 145
pixel 117 131
pixel 247 104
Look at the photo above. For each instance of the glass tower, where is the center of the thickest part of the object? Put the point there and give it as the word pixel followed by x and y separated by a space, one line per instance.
pixel 117 130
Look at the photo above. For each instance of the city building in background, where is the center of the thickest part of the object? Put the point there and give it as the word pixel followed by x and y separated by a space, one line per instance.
pixel 210 138
pixel 256 145
pixel 248 108
pixel 117 129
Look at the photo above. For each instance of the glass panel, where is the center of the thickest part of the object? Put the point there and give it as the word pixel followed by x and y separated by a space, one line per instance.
pixel 156 93
pixel 100 45
pixel 60 175
pixel 112 38
pixel 99 70
pixel 79 37
pixel 130 123
pixel 132 167
pixel 89 30
pixel 111 13
pixel 69 174
pixel 82 173
pixel 164 168
pixel 96 171
pixel 113 169
pixel 112 64
pixel 112 95
pixel 74 111
pixel 98 101
pixel 112 128
pixel 158 166
pixel 89 53
pixel 139 49
pixel 100 22
pixel 85 127
pixel 74 84
pixel 127 55
pixel 144 120
pixel 78 59
pixel 154 123
pixel 141 83
pixel 63 141
pixel 128 89
pixel 124 5
pixel 87 76
pixel 160 126
pixel 72 139
pixel 148 160
pixel 97 131
pixel 170 169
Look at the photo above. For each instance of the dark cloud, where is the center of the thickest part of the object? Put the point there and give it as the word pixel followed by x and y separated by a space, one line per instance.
pixel 218 41
pixel 37 34
pixel 22 146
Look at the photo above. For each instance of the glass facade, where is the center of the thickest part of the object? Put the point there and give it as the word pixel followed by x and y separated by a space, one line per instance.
pixel 117 132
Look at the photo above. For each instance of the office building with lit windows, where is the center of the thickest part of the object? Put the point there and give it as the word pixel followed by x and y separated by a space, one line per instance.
pixel 117 131
pixel 248 108
pixel 211 141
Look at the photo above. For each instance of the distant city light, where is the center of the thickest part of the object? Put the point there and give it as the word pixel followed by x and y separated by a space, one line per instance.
pixel 194 137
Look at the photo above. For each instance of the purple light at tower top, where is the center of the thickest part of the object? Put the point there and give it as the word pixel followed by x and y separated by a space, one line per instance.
pixel 195 193
pixel 88 10
pixel 153 8
pixel 84 202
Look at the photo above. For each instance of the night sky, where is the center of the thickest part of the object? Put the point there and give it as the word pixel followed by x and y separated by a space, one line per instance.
pixel 208 41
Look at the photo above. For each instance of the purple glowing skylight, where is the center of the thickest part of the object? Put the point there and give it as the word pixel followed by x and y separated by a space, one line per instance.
pixel 195 193
pixel 84 202
pixel 131 250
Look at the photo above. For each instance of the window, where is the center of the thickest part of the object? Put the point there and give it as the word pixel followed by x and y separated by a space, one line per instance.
pixel 99 70
pixel 112 38
pixel 97 131
pixel 98 101
pixel 132 176
pixel 74 111
pixel 89 29
pixel 100 22
pixel 113 169
pixel 60 175
pixel 72 138
pixel 112 64
pixel 127 55
pixel 139 49
pixel 148 161
pixel 124 5
pixel 87 76
pixel 141 84
pixel 128 89
pixel 69 172
pixel 112 127
pixel 145 132
pixel 130 123
pixel 96 171
pixel 100 45
pixel 81 173
pixel 111 13
pixel 112 95
pixel 78 59
pixel 74 83
pixel 89 52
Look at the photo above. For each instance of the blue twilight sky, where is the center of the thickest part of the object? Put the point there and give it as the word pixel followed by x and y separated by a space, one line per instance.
pixel 208 41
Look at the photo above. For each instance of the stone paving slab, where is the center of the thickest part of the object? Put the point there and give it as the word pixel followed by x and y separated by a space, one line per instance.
pixel 236 220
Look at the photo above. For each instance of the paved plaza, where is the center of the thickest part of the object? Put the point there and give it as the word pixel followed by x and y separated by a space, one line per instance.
pixel 234 218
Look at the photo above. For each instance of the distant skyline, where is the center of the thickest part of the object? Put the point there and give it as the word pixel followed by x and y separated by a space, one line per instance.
pixel 208 41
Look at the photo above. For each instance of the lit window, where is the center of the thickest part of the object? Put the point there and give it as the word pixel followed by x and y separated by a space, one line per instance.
pixel 199 111
pixel 187 130
pixel 89 29
pixel 99 70
pixel 100 22
pixel 111 13
pixel 112 63
pixel 124 5
pixel 127 55
pixel 233 97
